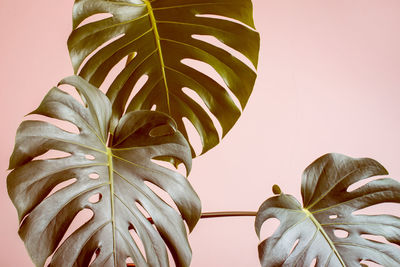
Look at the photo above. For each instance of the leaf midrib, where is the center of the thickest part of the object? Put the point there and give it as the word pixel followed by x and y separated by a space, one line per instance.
pixel 324 234
pixel 160 54
pixel 111 178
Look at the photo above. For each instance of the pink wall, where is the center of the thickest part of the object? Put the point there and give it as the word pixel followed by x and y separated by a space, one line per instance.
pixel 329 78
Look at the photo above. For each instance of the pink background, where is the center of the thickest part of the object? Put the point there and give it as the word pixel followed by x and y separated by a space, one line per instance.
pixel 329 77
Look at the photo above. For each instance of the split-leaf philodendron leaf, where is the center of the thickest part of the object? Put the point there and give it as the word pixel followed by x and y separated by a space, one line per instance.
pixel 156 36
pixel 115 173
pixel 312 232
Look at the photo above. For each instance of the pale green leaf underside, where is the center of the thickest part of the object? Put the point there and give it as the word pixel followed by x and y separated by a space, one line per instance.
pixel 328 207
pixel 122 168
pixel 159 35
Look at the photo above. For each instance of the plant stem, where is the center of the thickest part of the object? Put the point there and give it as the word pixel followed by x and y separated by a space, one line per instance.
pixel 217 214
pixel 206 215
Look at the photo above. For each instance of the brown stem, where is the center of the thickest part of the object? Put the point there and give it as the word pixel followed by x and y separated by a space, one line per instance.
pixel 217 214
pixel 207 215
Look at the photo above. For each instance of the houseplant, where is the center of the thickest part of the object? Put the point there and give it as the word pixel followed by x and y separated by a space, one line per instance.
pixel 119 138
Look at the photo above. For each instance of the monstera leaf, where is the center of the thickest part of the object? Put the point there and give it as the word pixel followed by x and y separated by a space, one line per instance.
pixel 156 36
pixel 317 231
pixel 117 174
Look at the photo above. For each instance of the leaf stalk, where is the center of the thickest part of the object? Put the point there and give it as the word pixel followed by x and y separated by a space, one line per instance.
pixel 218 214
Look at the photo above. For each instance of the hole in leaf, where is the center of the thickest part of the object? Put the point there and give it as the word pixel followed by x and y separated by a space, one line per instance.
pixel 62 185
pixel 153 107
pixel 94 256
pixel 162 194
pixel 164 164
pixel 81 218
pixel 95 17
pixel 138 85
pixel 53 154
pixel 129 260
pixel 114 71
pixel 194 137
pixel 378 238
pixel 64 125
pixel 359 184
pixel 161 130
pixel 95 198
pixel 212 73
pixel 142 210
pixel 171 257
pixel 333 216
pixel 314 262
pixel 48 261
pixel 382 208
pixel 294 246
pixel 223 18
pixel 89 157
pixel 341 233
pixel 193 95
pixel 137 241
pixel 268 228
pixel 72 91
pixel 367 263
pixel 95 51
pixel 216 42
pixel 94 176
pixel 171 163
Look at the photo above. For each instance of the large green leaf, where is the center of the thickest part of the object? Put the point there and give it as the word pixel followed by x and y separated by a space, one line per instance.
pixel 328 209
pixel 157 35
pixel 122 169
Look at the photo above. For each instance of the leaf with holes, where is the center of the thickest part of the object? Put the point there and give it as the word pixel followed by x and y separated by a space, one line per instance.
pixel 110 181
pixel 158 38
pixel 309 233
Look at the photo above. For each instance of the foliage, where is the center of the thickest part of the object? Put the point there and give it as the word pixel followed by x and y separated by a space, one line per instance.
pixel 157 37
pixel 310 232
pixel 113 164
pixel 116 173
pixel 119 138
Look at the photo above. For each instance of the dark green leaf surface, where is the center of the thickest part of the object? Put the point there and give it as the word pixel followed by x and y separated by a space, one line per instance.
pixel 157 35
pixel 328 206
pixel 123 168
